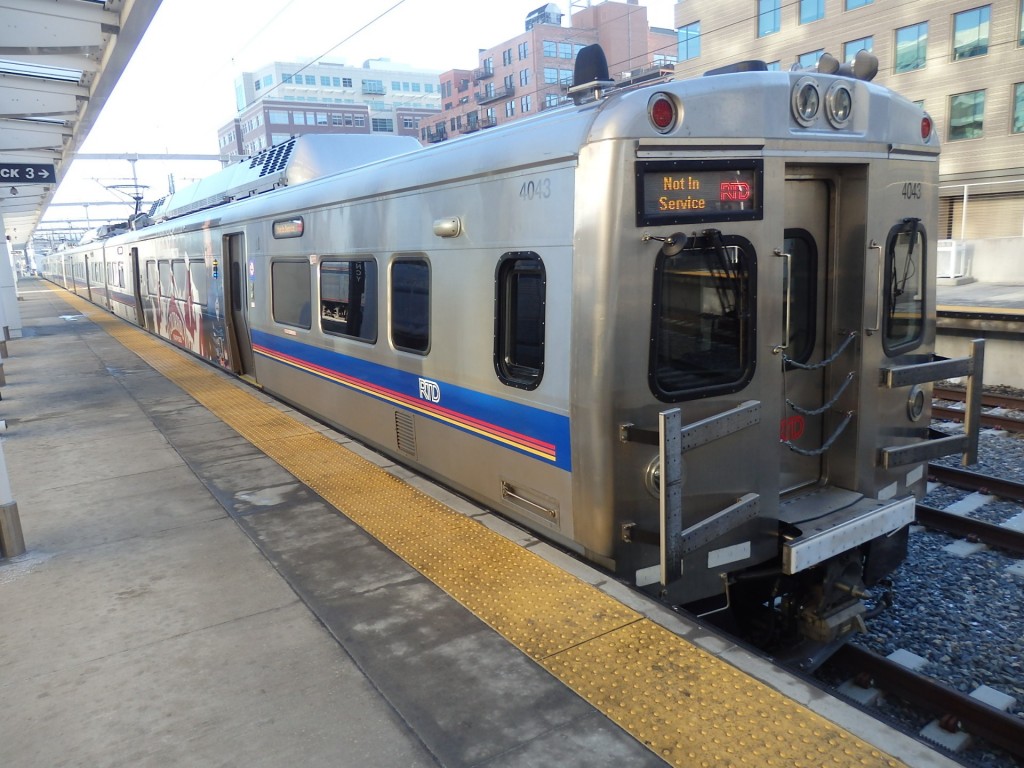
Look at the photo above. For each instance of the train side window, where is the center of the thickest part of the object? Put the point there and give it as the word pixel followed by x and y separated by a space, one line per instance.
pixel 703 320
pixel 410 305
pixel 519 320
pixel 903 300
pixel 348 298
pixel 166 283
pixel 179 271
pixel 152 284
pixel 197 278
pixel 803 294
pixel 291 293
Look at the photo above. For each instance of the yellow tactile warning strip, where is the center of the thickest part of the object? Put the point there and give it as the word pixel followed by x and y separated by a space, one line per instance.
pixel 686 705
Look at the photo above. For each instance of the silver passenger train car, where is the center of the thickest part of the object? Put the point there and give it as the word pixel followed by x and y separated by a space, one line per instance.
pixel 684 330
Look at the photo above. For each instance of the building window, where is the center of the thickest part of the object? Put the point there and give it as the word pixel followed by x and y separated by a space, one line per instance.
pixel 851 48
pixel 524 51
pixel 550 49
pixel 526 104
pixel 417 88
pixel 286 78
pixel 911 47
pixel 524 77
pixel 550 75
pixel 410 305
pixel 346 82
pixel 510 108
pixel 277 117
pixel 375 87
pixel 551 100
pixel 966 115
pixel 809 60
pixel 565 50
pixel 325 80
pixel 509 82
pixel 774 66
pixel 408 123
pixel 769 17
pixel 290 292
pixel 811 10
pixel 506 56
pixel 970 33
pixel 519 312
pixel 382 125
pixel 1017 125
pixel 1020 26
pixel 689 41
pixel 348 298
pixel 565 77
pixel 852 4
pixel 310 80
pixel 336 120
pixel 257 85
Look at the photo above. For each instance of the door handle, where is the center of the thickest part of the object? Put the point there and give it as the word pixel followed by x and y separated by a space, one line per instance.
pixel 788 299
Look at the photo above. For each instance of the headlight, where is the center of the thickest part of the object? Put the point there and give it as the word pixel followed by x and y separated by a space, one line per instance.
pixel 838 104
pixel 806 101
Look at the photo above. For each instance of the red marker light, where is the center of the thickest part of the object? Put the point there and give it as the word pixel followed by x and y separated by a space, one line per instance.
pixel 662 112
pixel 926 127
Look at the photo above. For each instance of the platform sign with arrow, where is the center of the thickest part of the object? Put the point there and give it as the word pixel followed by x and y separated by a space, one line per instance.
pixel 27 173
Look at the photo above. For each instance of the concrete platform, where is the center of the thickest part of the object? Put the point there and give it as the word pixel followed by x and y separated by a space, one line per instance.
pixel 185 601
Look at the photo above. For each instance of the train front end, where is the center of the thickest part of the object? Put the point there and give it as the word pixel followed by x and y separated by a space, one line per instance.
pixel 754 326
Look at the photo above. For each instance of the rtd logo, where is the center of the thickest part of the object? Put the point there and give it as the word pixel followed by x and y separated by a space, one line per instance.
pixel 430 391
pixel 791 428
pixel 734 190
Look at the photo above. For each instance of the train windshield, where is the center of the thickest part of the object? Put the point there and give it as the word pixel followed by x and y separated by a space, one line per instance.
pixel 703 305
pixel 904 299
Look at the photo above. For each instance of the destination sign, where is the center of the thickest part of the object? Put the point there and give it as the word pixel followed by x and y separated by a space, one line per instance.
pixel 27 173
pixel 681 192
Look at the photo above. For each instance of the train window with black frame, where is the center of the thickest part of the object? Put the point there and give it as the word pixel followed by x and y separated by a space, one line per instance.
pixel 291 293
pixel 803 293
pixel 903 299
pixel 152 283
pixel 348 298
pixel 702 337
pixel 410 305
pixel 197 279
pixel 519 320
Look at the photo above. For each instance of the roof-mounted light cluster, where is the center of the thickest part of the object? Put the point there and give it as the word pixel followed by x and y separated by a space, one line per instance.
pixel 807 101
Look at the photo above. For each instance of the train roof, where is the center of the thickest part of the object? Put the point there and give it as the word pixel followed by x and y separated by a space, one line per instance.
pixel 743 111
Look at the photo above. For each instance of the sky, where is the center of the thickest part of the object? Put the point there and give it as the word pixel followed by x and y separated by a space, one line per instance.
pixel 178 89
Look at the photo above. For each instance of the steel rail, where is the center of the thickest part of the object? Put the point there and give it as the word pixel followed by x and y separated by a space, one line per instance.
pixel 959 525
pixel 995 421
pixel 998 728
pixel 989 400
pixel 975 481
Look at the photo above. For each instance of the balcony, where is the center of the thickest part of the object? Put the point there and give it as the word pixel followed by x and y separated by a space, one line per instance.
pixel 438 134
pixel 482 74
pixel 505 92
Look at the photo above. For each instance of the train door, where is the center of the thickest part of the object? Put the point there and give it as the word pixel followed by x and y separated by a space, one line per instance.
pixel 135 267
pixel 802 431
pixel 237 290
pixel 86 277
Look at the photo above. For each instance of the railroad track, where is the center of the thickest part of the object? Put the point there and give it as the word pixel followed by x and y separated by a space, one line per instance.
pixel 954 710
pixel 996 536
pixel 1000 404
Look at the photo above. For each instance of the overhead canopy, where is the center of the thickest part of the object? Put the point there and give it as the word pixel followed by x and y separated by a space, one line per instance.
pixel 59 62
